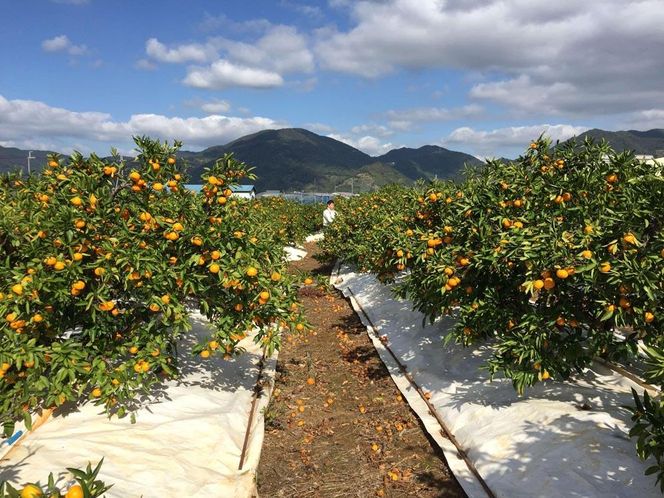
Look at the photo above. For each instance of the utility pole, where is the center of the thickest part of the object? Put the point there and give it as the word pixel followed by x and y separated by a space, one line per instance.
pixel 30 156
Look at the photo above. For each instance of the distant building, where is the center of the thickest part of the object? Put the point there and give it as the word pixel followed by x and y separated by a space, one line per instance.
pixel 269 193
pixel 244 191
pixel 651 160
pixel 241 191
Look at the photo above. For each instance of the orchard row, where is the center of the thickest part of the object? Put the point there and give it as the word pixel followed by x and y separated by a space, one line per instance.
pixel 550 260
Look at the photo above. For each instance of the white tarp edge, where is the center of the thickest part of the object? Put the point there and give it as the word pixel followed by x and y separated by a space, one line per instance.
pixel 294 253
pixel 315 237
pixel 188 442
pixel 543 444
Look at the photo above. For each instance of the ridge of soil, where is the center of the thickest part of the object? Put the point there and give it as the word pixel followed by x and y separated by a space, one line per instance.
pixel 350 433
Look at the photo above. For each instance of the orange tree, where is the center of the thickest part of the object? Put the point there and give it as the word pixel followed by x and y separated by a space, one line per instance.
pixel 285 221
pixel 99 261
pixel 554 258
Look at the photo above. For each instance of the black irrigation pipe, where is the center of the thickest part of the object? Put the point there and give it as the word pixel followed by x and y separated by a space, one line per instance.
pixel 256 394
pixel 444 430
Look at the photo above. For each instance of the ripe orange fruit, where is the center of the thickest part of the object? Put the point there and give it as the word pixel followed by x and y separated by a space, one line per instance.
pixel 205 354
pixel 166 299
pixel 562 273
pixel 96 392
pixel 545 375
pixel 31 491
pixel 308 281
pixel 311 381
pixel 178 227
pixel 587 254
pixel 59 265
pixel 252 272
pixel 648 317
pixel 17 289
pixel 299 327
pixel 106 306
pixel 213 345
pixel 76 491
pixel 76 201
pixel 158 186
pixel 265 295
pixel 538 284
pixel 197 241
pixel 276 276
pixel 171 161
pixel 549 283
pixel 214 268
pixel 629 238
pixel 605 267
pixel 612 178
pixel 37 318
pixel 78 285
pixel 99 271
pixel 215 255
pixel 134 176
pixel 154 307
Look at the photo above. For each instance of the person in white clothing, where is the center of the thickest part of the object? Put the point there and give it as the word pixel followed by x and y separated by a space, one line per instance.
pixel 329 213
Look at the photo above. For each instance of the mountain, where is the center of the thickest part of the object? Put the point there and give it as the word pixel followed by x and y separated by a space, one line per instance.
pixel 428 161
pixel 641 142
pixel 297 159
pixel 12 159
pixel 292 158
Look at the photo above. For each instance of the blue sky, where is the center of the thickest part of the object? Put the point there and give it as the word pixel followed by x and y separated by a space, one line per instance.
pixel 481 76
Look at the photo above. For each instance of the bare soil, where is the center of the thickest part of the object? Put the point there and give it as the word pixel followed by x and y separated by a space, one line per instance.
pixel 349 433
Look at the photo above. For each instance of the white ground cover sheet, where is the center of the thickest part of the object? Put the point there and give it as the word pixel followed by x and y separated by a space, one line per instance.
pixel 187 443
pixel 543 444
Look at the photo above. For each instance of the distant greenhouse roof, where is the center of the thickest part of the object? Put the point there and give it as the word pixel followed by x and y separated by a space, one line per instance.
pixel 243 188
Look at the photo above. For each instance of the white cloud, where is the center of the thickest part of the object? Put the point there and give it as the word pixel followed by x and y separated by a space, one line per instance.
pixel 570 57
pixel 145 65
pixel 311 11
pixel 192 52
pixel 496 142
pixel 23 120
pixel 216 107
pixel 224 74
pixel 367 144
pixel 279 51
pixel 646 120
pixel 319 128
pixel 380 130
pixel 282 49
pixel 213 23
pixel 405 119
pixel 62 43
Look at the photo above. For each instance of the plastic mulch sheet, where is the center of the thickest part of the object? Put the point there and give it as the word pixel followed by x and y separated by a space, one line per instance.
pixel 560 439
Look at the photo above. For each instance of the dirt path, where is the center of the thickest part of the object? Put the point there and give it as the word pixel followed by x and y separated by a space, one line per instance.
pixel 349 433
